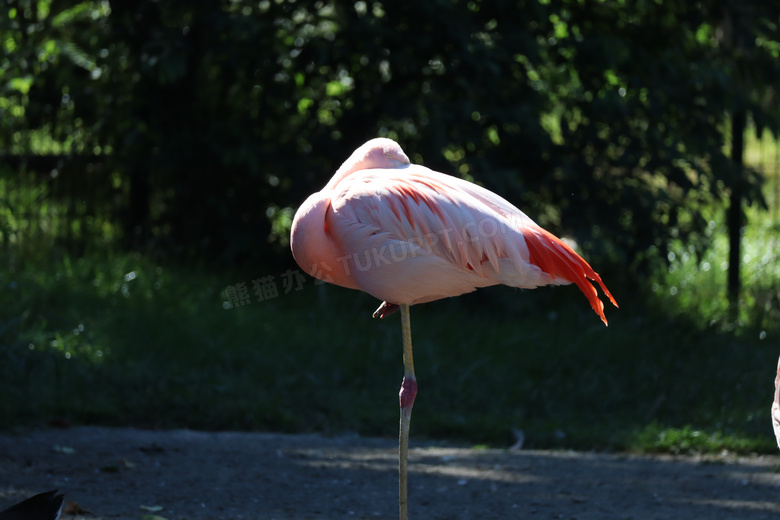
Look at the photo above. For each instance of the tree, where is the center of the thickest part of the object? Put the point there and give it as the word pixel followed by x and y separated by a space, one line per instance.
pixel 605 120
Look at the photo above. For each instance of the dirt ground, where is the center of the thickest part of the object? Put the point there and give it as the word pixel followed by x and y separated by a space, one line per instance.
pixel 124 473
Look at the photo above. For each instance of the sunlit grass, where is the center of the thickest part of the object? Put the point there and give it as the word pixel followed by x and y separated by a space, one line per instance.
pixel 687 441
pixel 32 220
pixel 695 283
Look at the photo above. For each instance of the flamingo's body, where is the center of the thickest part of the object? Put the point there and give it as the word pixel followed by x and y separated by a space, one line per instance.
pixel 406 235
pixel 776 406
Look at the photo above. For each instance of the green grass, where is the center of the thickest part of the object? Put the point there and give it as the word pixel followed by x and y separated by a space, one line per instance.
pixel 118 339
pixel 695 283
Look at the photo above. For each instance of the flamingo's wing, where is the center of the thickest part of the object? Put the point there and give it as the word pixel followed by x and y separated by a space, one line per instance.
pixel 546 251
pixel 451 235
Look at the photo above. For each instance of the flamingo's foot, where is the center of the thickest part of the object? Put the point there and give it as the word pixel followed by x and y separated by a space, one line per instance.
pixel 385 310
pixel 408 393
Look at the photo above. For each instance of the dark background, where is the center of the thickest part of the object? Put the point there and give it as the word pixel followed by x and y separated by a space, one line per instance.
pixel 200 127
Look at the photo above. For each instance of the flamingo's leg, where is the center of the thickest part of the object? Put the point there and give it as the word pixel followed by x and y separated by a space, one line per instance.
pixel 406 397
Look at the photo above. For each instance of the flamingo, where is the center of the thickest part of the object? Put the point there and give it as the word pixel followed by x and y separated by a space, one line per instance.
pixel 406 234
pixel 776 406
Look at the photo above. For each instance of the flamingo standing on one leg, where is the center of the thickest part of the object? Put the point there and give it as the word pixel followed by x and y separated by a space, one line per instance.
pixel 406 234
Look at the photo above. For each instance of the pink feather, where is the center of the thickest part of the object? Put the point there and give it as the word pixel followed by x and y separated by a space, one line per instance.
pixel 407 234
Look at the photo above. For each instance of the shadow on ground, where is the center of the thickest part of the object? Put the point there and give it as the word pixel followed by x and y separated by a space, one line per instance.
pixel 126 474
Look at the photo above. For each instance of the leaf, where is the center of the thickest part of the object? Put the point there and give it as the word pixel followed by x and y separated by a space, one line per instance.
pixel 77 55
pixel 83 10
pixel 22 84
pixel 303 105
pixel 152 509
pixel 72 508
pixel 337 88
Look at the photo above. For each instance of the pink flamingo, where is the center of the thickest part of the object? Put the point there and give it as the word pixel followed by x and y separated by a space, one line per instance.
pixel 406 234
pixel 776 406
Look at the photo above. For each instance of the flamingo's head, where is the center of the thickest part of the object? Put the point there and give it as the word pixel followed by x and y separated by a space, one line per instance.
pixel 380 152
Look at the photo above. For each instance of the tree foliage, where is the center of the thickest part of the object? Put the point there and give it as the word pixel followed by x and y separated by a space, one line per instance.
pixel 211 121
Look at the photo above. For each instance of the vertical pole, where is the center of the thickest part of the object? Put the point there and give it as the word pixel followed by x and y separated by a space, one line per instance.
pixel 735 218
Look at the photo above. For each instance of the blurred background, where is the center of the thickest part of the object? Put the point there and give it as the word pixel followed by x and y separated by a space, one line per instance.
pixel 152 156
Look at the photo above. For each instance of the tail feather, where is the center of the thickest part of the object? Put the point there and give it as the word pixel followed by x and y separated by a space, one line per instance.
pixel 553 256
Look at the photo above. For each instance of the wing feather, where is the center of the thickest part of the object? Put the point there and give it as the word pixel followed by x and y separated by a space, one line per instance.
pixel 558 259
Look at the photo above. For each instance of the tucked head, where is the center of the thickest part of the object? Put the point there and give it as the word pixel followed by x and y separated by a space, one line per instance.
pixel 376 153
pixel 381 153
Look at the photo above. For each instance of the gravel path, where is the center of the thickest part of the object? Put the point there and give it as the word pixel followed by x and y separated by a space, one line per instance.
pixel 124 473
